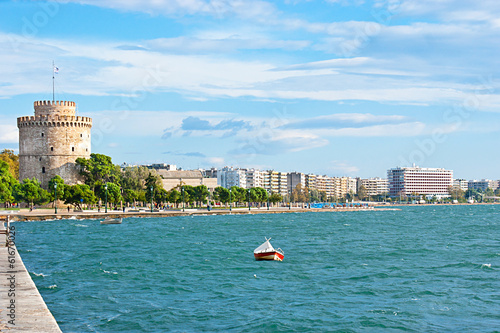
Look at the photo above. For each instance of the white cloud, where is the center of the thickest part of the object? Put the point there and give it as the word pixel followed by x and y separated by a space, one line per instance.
pixel 217 8
pixel 216 161
pixel 9 134
pixel 342 168
pixel 193 45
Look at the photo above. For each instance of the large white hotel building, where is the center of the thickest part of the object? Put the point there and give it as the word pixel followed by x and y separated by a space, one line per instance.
pixel 407 181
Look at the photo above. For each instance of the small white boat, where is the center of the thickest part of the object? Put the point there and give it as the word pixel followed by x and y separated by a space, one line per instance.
pixel 267 252
pixel 109 220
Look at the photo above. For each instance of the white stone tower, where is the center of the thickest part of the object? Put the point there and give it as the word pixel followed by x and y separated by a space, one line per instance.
pixel 51 141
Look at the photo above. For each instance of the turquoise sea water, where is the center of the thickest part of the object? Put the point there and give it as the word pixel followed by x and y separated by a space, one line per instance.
pixel 421 269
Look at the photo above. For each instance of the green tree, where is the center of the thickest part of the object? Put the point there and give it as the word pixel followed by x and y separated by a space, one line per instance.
pixel 160 196
pixel 141 196
pixel 221 194
pixel 299 194
pixel 60 188
pixel 78 194
pixel 315 196
pixel 153 180
pixel 188 194
pixel 456 193
pixel 7 183
pixel 261 195
pixel 153 186
pixel 134 178
pixel 200 193
pixel 113 193
pixel 130 196
pixel 238 194
pixel 174 196
pixel 98 169
pixel 275 197
pixel 30 192
pixel 362 193
pixel 12 160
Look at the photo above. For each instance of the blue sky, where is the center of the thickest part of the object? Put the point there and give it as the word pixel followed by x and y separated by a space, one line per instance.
pixel 342 88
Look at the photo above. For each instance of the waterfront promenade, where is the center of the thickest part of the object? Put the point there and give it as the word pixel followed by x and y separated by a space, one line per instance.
pixel 48 214
pixel 22 309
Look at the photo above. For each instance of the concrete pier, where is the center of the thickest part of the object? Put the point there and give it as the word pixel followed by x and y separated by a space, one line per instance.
pixel 22 308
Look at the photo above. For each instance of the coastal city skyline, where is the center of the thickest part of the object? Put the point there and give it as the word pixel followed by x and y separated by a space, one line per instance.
pixel 336 88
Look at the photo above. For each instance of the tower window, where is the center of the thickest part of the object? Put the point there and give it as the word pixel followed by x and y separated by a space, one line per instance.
pixel 81 135
pixel 51 148
pixel 72 148
pixel 43 169
pixel 42 135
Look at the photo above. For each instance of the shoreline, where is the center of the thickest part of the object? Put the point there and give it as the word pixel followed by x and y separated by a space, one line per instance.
pixel 48 214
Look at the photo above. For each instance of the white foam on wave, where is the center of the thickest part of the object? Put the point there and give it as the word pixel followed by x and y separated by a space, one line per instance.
pixel 81 225
pixel 54 286
pixel 109 272
pixel 114 317
pixel 41 274
pixel 486 265
pixel 72 218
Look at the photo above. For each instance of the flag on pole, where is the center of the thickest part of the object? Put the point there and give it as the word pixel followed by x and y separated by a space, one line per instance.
pixel 56 70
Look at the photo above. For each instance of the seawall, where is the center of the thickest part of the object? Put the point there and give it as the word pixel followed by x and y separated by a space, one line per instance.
pixel 22 308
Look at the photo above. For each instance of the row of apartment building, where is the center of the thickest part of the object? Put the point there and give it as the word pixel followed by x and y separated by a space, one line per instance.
pixel 400 181
pixel 283 182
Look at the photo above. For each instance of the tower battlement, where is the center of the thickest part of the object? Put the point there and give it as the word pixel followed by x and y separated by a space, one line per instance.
pixel 43 108
pixel 54 120
pixel 54 103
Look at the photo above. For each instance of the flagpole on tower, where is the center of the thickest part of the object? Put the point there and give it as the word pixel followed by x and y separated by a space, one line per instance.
pixel 53 79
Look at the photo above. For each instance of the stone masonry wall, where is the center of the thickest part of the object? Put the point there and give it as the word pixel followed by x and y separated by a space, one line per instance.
pixel 51 141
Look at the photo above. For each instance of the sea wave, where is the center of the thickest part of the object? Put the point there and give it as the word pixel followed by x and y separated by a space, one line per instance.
pixel 109 272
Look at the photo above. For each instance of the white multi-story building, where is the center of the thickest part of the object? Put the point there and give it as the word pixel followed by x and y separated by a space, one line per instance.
pixel 461 184
pixel 276 182
pixel 375 186
pixel 407 181
pixel 229 176
pixel 311 181
pixel 352 185
pixel 254 178
pixel 483 184
pixel 283 183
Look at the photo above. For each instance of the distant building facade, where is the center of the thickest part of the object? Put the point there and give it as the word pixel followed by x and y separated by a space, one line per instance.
pixel 229 176
pixel 461 184
pixel 172 179
pixel 254 178
pixel 51 141
pixel 294 179
pixel 375 186
pixel 407 181
pixel 483 184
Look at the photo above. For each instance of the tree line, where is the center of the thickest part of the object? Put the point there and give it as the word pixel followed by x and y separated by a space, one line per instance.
pixel 106 182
